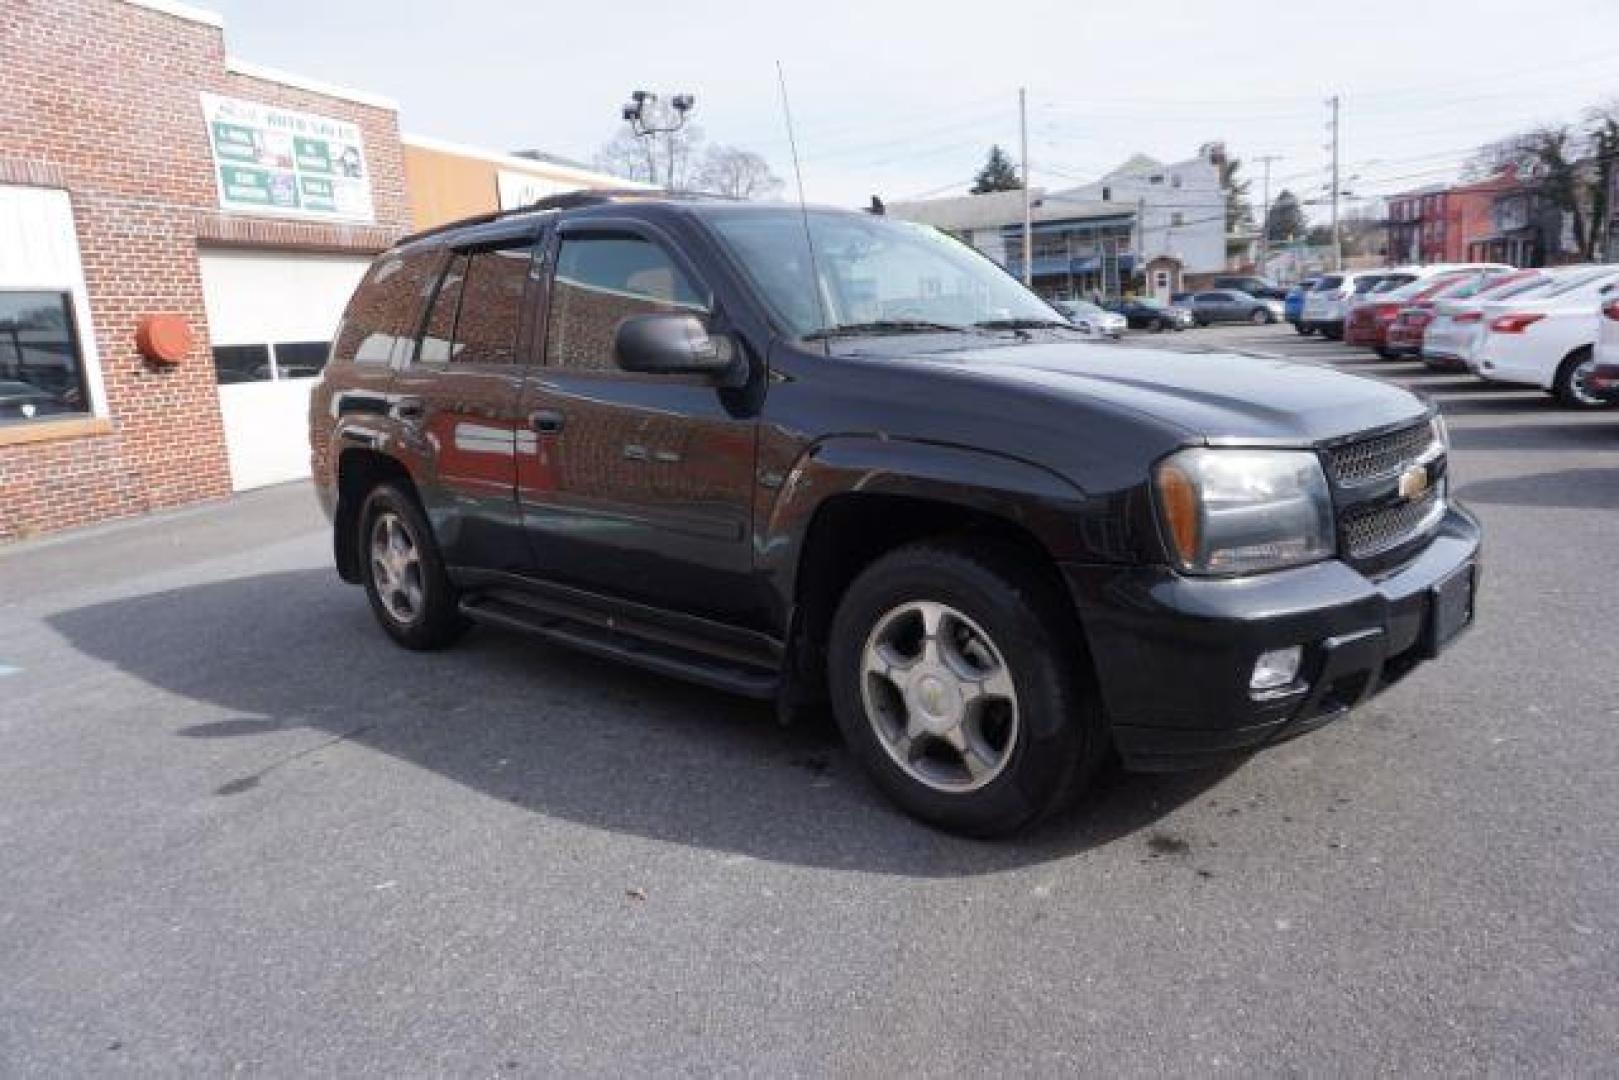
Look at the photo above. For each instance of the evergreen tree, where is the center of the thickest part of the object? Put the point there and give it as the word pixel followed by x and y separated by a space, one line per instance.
pixel 998 174
pixel 1286 221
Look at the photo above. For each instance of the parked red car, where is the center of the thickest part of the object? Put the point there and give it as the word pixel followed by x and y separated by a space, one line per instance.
pixel 1370 321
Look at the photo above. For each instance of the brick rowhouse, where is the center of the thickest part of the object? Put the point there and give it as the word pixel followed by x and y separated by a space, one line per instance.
pixel 100 99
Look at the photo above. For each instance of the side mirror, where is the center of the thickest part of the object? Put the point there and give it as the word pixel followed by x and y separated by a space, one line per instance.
pixel 674 344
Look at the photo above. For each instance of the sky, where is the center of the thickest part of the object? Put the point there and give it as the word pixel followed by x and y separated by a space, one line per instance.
pixel 904 99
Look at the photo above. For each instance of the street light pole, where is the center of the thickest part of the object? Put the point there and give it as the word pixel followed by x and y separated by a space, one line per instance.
pixel 649 127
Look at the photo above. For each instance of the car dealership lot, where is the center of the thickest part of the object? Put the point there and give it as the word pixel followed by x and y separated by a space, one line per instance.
pixel 242 830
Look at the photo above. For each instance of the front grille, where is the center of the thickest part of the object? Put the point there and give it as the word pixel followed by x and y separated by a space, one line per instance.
pixel 1376 529
pixel 1379 457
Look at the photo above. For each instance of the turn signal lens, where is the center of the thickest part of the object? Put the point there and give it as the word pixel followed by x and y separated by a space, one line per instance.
pixel 1515 324
pixel 1468 317
pixel 1178 495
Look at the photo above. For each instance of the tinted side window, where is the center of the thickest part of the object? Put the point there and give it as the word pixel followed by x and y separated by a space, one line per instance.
pixel 492 305
pixel 1210 296
pixel 601 281
pixel 439 333
pixel 380 319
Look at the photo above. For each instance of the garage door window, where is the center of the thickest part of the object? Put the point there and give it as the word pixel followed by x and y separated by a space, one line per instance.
pixel 41 357
pixel 269 361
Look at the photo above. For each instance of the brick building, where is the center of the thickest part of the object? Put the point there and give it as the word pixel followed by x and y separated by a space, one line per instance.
pixel 144 172
pixel 1435 225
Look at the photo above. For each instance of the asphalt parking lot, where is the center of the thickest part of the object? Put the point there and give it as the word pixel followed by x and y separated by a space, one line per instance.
pixel 240 831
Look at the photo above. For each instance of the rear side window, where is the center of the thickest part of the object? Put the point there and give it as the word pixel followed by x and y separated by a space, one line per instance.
pixel 478 308
pixel 492 305
pixel 380 321
pixel 1328 283
pixel 438 336
pixel 600 282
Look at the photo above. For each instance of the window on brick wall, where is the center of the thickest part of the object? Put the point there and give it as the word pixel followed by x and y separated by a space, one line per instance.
pixel 41 357
pixel 268 361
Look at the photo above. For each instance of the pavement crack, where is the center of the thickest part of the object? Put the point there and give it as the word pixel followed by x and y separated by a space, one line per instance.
pixel 251 780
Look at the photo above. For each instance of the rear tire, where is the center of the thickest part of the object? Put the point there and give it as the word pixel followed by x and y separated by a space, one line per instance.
pixel 404 574
pixel 1261 317
pixel 917 639
pixel 1387 353
pixel 1159 326
pixel 1569 385
pixel 1302 330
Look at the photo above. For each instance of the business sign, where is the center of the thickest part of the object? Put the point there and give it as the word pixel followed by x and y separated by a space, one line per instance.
pixel 269 160
pixel 515 189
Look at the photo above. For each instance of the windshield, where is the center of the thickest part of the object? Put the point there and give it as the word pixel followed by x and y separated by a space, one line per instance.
pixel 876 274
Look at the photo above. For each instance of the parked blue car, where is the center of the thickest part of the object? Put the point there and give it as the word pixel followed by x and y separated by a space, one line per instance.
pixel 1293 306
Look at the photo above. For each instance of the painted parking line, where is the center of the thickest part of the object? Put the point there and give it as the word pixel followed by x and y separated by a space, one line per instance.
pixel 7 669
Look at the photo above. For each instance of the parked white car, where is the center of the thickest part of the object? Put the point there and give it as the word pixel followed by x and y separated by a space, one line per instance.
pixel 1087 316
pixel 1604 380
pixel 1549 339
pixel 1452 334
pixel 1327 305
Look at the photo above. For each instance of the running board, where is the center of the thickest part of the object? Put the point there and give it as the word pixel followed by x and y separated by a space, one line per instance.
pixel 721 673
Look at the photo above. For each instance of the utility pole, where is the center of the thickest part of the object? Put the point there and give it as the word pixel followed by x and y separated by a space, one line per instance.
pixel 1028 199
pixel 1264 220
pixel 1337 240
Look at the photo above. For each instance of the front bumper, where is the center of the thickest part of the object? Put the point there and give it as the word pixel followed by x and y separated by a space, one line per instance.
pixel 1174 654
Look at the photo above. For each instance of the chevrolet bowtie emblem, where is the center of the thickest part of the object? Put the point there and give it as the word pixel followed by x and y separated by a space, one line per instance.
pixel 1414 481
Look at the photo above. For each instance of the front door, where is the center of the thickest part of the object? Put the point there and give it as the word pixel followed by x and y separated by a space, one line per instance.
pixel 635 485
pixel 459 400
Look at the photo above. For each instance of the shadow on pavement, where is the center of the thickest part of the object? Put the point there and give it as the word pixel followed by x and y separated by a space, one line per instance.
pixel 1579 489
pixel 551 731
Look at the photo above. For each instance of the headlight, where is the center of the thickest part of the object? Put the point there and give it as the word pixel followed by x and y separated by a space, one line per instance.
pixel 1234 511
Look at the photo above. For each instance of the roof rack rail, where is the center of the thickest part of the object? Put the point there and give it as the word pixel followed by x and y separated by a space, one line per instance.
pixel 568 200
pixel 564 201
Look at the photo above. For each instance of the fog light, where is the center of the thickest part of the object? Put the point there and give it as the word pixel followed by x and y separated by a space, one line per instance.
pixel 1276 669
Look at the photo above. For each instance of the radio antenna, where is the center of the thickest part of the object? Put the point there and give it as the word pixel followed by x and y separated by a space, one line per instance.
pixel 803 212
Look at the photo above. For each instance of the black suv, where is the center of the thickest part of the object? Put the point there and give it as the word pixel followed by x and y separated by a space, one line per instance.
pixel 820 456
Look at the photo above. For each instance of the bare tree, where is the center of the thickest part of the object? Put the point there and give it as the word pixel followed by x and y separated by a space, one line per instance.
pixel 741 174
pixel 666 160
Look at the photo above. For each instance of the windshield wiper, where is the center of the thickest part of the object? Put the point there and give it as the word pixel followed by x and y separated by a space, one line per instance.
pixel 1023 324
pixel 884 326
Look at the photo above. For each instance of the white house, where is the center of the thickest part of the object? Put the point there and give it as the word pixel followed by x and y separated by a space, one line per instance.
pixel 1179 208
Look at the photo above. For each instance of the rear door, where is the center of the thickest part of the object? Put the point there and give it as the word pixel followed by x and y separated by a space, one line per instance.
pixel 458 400
pixel 637 485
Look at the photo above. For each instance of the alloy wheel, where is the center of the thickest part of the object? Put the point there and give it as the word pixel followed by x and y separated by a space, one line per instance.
pixel 939 696
pixel 396 568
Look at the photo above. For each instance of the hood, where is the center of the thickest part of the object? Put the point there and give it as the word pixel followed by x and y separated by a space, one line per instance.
pixel 1211 396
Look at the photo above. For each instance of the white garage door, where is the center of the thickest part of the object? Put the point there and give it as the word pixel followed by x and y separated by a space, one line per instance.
pixel 271 316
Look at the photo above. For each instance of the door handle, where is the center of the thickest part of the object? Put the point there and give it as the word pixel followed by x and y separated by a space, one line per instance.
pixel 410 408
pixel 545 421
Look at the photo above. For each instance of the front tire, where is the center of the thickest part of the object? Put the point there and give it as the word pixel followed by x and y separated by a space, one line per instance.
pixel 404 574
pixel 1386 353
pixel 1569 385
pixel 1261 317
pixel 959 685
